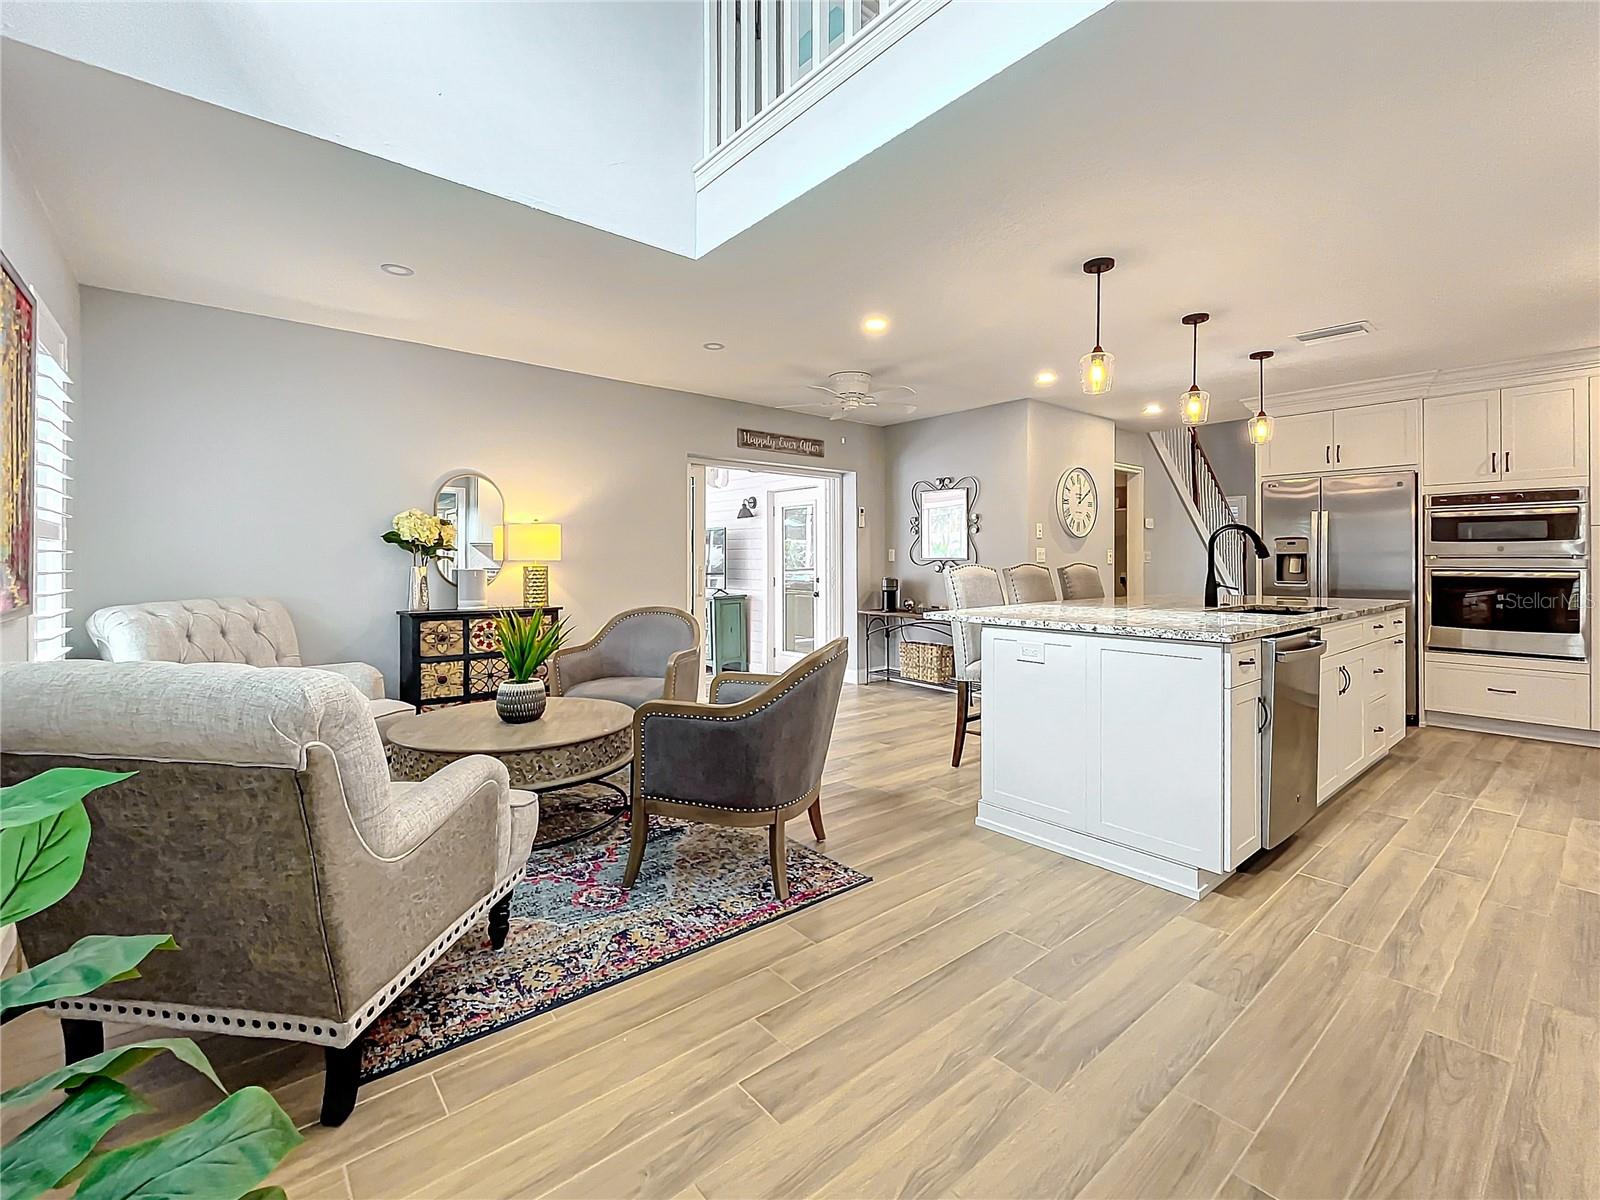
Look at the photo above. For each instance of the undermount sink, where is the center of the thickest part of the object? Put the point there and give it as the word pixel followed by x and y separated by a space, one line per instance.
pixel 1274 610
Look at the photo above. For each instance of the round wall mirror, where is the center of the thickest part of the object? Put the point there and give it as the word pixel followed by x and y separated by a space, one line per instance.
pixel 474 505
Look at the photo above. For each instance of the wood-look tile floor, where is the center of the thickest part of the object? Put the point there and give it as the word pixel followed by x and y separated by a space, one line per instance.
pixel 1403 1001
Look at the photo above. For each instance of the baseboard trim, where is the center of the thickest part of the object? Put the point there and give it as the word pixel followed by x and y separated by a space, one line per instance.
pixel 1521 729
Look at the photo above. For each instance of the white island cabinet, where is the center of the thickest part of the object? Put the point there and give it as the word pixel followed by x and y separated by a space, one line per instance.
pixel 1129 736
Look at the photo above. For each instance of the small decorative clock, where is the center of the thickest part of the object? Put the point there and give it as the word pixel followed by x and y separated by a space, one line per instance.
pixel 1078 504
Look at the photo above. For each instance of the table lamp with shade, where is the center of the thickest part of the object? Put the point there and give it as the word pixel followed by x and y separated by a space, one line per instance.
pixel 532 543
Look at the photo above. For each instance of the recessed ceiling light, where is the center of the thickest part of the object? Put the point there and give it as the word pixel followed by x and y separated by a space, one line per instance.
pixel 875 324
pixel 396 269
pixel 1045 378
pixel 1151 410
pixel 713 346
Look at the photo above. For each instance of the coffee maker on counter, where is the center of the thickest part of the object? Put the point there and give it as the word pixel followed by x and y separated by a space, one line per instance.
pixel 891 594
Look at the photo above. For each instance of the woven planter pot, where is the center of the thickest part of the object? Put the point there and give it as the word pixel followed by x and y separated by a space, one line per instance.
pixel 519 702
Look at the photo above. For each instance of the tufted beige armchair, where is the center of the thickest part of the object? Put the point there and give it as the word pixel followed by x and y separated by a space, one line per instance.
pixel 304 888
pixel 233 629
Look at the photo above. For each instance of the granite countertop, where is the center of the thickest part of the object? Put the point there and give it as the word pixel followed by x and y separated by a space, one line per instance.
pixel 1168 618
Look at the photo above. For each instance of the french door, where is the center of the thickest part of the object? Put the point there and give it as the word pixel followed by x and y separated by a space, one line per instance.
pixel 798 563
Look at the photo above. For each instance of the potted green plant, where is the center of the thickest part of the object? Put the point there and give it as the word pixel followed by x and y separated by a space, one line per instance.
pixel 425 537
pixel 223 1153
pixel 525 643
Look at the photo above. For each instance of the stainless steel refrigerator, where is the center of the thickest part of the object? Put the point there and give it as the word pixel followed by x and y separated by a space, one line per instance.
pixel 1346 536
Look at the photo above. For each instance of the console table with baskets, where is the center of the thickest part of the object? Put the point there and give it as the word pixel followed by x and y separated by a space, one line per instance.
pixel 451 655
pixel 929 664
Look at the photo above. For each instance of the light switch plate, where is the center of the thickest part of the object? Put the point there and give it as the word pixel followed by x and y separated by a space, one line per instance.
pixel 1149 522
pixel 1111 556
pixel 1038 531
pixel 891 553
pixel 1038 555
pixel 861 518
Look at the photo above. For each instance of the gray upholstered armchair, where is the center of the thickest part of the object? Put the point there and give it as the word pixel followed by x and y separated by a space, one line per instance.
pixel 642 654
pixel 305 890
pixel 751 757
pixel 230 629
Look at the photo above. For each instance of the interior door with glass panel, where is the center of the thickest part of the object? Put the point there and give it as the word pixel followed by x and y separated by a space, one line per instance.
pixel 797 562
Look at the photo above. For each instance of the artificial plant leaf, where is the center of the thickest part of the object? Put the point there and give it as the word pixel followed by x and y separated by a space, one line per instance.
pixel 266 1193
pixel 111 1064
pixel 90 962
pixel 41 1155
pixel 50 792
pixel 41 862
pixel 223 1153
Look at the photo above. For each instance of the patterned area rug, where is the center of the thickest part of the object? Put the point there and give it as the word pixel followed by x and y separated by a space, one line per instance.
pixel 576 930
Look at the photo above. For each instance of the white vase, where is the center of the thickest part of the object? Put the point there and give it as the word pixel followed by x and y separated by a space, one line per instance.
pixel 418 601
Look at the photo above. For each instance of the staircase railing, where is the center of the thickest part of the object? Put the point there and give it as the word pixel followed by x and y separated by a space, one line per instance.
pixel 1196 479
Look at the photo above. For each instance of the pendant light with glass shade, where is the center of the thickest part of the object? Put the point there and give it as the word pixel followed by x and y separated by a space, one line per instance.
pixel 1259 429
pixel 1195 404
pixel 1097 367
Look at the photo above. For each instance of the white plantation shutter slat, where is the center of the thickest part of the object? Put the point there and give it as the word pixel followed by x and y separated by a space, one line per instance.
pixel 52 606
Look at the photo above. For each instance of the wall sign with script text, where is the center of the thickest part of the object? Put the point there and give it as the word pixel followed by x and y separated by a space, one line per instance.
pixel 780 443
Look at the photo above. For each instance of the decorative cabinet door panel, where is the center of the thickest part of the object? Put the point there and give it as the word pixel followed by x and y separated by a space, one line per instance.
pixel 1033 718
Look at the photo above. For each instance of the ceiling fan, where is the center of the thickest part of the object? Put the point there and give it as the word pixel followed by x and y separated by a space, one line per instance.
pixel 850 393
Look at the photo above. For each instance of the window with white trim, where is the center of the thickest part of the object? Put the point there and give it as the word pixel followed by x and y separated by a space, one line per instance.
pixel 52 489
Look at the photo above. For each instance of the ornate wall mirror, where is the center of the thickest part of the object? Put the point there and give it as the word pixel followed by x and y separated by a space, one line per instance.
pixel 945 523
pixel 474 504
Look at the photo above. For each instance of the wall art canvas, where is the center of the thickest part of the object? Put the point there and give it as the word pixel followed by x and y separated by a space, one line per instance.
pixel 16 455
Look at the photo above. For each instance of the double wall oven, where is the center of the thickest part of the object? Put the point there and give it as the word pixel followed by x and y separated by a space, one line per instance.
pixel 1507 572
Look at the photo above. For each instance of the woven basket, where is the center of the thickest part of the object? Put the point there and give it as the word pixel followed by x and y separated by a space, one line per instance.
pixel 927 662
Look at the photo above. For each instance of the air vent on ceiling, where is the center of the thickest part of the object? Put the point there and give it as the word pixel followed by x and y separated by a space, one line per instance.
pixel 1334 332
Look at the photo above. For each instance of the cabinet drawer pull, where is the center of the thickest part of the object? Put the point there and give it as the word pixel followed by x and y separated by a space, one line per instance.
pixel 1494 458
pixel 1379 628
pixel 1327 454
pixel 1377 670
pixel 1379 729
pixel 1338 452
pixel 1247 662
pixel 1504 691
pixel 1266 715
pixel 1345 674
pixel 1398 642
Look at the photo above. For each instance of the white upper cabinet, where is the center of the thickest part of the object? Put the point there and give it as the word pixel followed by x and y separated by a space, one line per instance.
pixel 1544 431
pixel 1375 435
pixel 1299 445
pixel 1510 435
pixel 1461 439
pixel 1345 439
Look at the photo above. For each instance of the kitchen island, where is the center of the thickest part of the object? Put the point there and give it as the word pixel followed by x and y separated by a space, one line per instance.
pixel 1130 735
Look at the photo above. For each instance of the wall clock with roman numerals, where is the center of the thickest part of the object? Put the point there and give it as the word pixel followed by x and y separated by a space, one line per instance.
pixel 1077 502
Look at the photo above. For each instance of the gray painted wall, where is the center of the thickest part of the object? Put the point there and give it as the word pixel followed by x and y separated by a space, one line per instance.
pixel 1177 565
pixel 1059 439
pixel 1018 452
pixel 234 454
pixel 990 444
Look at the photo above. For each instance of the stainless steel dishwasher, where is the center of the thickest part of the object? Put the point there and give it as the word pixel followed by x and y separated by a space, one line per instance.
pixel 1291 670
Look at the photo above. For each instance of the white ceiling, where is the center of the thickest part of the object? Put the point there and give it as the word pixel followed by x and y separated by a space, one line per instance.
pixel 1432 168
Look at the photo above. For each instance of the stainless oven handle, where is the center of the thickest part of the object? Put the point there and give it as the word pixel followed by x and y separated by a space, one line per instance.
pixel 1574 574
pixel 1502 510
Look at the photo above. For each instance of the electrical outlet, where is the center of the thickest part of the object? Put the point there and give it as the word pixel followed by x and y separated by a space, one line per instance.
pixel 1038 531
pixel 891 553
pixel 1038 555
pixel 1111 557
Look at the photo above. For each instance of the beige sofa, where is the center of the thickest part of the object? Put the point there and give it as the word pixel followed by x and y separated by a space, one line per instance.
pixel 229 629
pixel 304 888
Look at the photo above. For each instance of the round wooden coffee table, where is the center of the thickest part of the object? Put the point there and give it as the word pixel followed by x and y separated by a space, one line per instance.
pixel 576 741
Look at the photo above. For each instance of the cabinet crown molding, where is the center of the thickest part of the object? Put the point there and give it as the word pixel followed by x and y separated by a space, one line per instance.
pixel 1418 385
